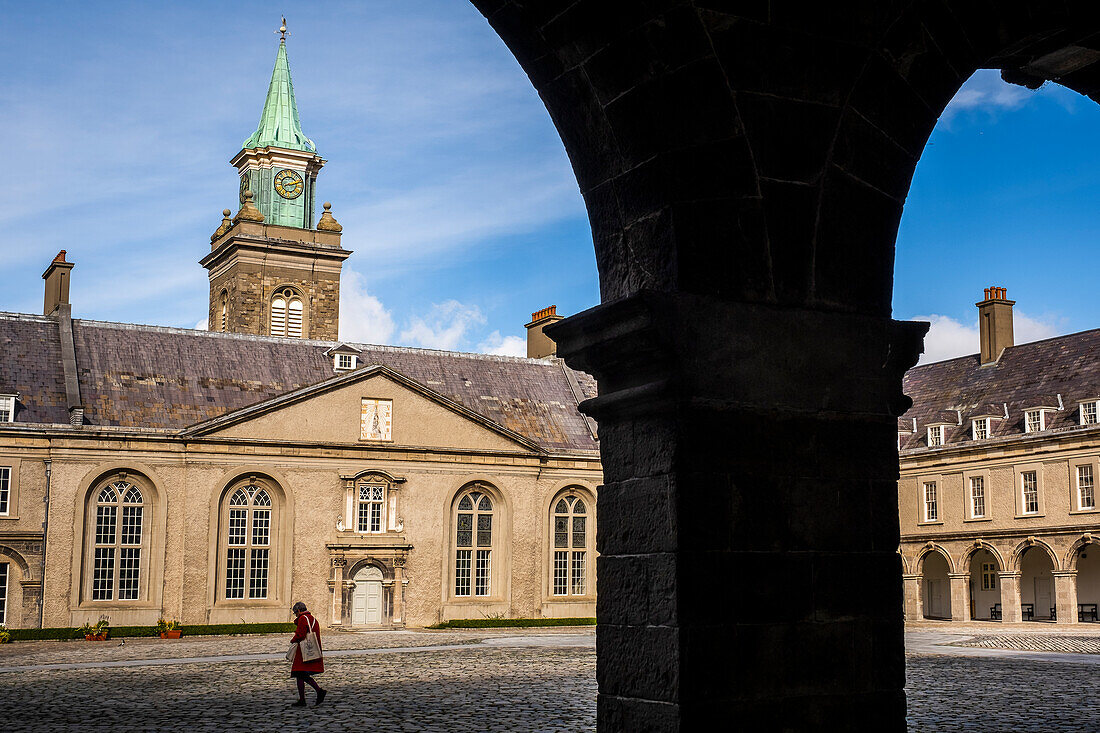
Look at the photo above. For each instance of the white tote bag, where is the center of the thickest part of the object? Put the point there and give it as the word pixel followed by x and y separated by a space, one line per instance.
pixel 311 645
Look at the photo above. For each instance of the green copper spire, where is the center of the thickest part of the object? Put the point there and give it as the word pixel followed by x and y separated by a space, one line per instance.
pixel 279 126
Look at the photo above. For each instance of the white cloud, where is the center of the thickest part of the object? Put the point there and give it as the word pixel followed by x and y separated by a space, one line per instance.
pixel 444 326
pixel 422 223
pixel 949 338
pixel 363 318
pixel 494 343
pixel 985 90
pixel 203 325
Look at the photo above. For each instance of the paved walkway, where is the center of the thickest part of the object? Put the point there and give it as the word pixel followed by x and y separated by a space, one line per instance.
pixel 488 680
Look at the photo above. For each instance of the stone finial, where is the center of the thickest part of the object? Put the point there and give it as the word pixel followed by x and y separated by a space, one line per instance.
pixel 248 211
pixel 226 225
pixel 327 222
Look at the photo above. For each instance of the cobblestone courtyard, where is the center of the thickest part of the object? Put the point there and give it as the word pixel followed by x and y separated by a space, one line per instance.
pixel 477 681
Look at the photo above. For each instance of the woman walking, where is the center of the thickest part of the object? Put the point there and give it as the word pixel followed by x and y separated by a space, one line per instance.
pixel 303 671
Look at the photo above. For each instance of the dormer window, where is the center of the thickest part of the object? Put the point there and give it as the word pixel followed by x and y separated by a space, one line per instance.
pixel 1088 412
pixel 345 362
pixel 979 428
pixel 1034 421
pixel 935 436
pixel 7 408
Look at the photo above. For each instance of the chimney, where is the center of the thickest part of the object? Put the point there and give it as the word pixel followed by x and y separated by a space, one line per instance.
pixel 539 345
pixel 57 283
pixel 995 323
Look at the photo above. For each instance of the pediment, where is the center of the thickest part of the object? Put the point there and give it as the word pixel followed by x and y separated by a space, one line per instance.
pixel 369 406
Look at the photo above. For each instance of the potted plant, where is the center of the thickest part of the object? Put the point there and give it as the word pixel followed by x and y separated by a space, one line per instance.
pixel 168 629
pixel 99 631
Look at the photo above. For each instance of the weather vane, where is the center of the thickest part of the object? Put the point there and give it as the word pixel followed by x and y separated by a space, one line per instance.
pixel 282 31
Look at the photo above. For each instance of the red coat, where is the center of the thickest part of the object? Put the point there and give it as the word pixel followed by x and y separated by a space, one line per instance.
pixel 317 665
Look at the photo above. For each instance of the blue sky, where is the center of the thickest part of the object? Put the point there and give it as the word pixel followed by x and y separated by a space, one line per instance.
pixel 447 174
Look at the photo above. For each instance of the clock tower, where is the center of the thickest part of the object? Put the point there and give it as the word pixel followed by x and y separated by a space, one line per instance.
pixel 272 272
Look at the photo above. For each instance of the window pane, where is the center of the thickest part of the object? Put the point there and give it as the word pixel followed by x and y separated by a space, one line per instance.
pixel 375 517
pixel 105 525
pixel 262 499
pixel 561 531
pixel 462 573
pixel 561 573
pixel 465 530
pixel 465 504
pixel 485 505
pixel 238 521
pixel 5 487
pixel 107 496
pixel 578 574
pixel 257 576
pixel 484 530
pixel 562 507
pixel 363 517
pixel 234 573
pixel 239 498
pixel 578 508
pixel 132 496
pixel 1086 497
pixel 481 579
pixel 103 571
pixel 129 569
pixel 1030 491
pixel 3 593
pixel 261 527
pixel 131 525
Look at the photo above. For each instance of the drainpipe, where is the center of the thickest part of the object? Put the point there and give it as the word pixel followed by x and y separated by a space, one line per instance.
pixel 45 534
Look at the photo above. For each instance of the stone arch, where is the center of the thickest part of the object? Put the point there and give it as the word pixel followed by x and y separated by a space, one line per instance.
pixel 13 554
pixel 361 563
pixel 734 160
pixel 969 552
pixel 904 563
pixel 1029 543
pixel 1073 554
pixel 936 548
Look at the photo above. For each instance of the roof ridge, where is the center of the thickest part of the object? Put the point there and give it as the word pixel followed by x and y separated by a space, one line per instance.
pixel 281 340
pixel 1014 346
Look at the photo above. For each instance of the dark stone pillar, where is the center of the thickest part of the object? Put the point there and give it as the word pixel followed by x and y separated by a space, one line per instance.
pixel 748 575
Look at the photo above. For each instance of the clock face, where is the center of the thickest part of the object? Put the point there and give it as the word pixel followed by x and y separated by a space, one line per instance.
pixel 246 185
pixel 288 184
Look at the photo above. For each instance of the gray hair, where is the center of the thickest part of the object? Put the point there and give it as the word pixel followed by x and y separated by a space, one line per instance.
pixel 299 607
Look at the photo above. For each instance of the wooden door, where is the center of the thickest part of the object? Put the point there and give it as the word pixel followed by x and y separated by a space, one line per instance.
pixel 366 599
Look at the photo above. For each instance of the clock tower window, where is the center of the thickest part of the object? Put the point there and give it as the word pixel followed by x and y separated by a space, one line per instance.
pixel 286 314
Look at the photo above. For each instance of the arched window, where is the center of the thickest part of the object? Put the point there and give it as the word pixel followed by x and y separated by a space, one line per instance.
pixel 473 532
pixel 225 311
pixel 371 506
pixel 571 533
pixel 286 314
pixel 247 521
pixel 120 521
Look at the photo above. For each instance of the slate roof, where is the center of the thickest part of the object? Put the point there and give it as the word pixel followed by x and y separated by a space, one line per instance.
pixel 31 368
pixel 1026 376
pixel 170 378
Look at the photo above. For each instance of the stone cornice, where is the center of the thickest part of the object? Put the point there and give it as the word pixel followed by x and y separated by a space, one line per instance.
pixel 652 351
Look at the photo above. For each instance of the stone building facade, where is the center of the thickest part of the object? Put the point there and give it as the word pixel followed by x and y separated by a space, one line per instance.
pixel 999 463
pixel 218 476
